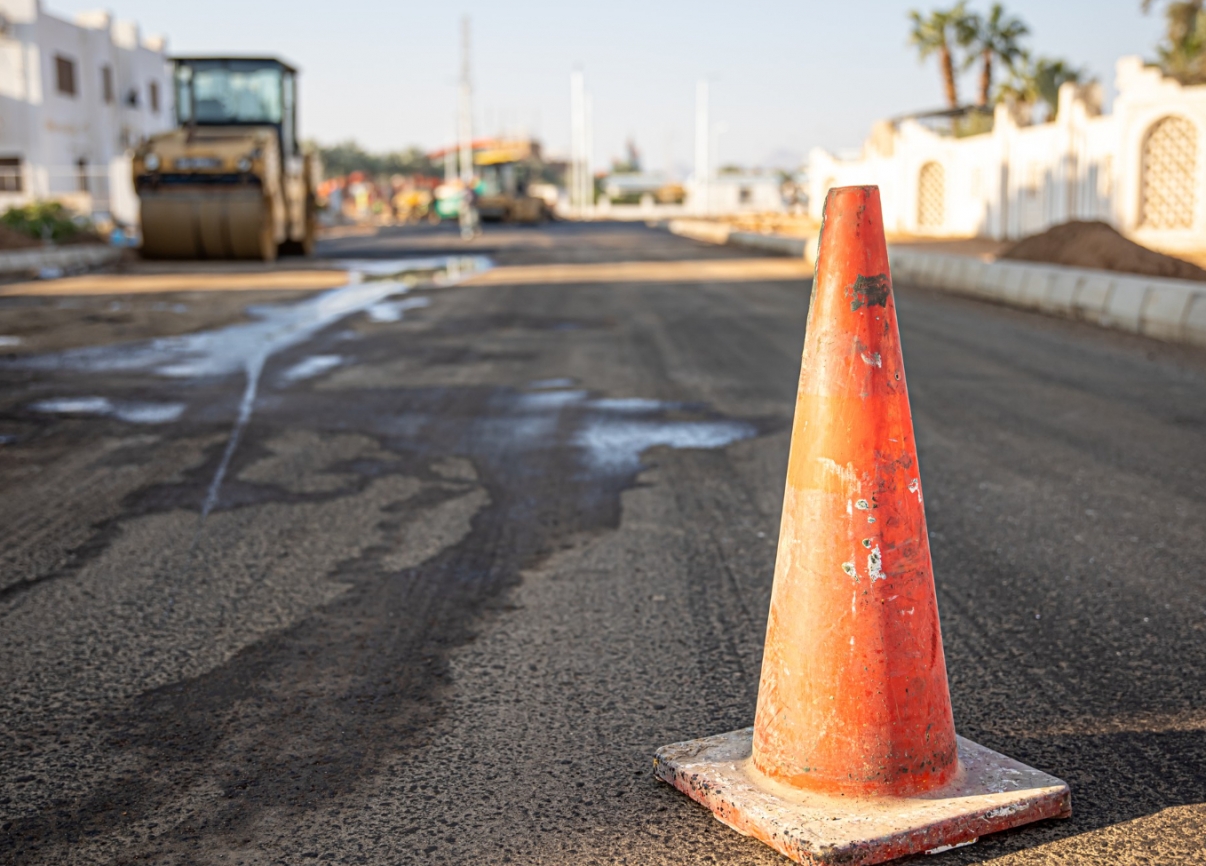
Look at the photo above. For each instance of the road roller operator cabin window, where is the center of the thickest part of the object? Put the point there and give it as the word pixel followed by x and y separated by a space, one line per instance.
pixel 228 91
pixel 64 73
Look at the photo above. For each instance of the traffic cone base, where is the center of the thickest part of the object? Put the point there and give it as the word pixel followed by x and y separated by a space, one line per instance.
pixel 989 793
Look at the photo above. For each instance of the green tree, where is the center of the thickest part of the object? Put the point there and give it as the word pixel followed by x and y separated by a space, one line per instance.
pixel 1182 54
pixel 1022 85
pixel 991 39
pixel 348 156
pixel 939 32
pixel 1035 81
pixel 410 161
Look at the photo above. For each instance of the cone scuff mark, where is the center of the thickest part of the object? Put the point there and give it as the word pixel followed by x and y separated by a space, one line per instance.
pixel 870 291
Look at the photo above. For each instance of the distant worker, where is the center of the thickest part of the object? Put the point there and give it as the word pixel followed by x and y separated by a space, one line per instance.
pixel 335 200
pixel 471 224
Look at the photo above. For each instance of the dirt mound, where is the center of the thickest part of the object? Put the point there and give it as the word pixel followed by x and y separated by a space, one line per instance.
pixel 10 239
pixel 1098 245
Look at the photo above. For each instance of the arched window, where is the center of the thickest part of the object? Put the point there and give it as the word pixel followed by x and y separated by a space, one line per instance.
pixel 931 196
pixel 1168 175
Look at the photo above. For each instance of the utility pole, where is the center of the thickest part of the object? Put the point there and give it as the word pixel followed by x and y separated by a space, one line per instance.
pixel 588 158
pixel 702 135
pixel 465 125
pixel 579 170
pixel 718 130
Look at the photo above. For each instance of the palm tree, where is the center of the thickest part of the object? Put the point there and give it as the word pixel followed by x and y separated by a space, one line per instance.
pixel 1022 85
pixel 939 33
pixel 1182 54
pixel 1051 75
pixel 1035 81
pixel 991 39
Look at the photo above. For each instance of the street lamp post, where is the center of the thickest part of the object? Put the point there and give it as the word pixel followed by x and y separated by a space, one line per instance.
pixel 702 134
pixel 465 124
pixel 580 182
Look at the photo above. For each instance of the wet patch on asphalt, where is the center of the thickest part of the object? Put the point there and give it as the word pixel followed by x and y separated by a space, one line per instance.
pixel 485 482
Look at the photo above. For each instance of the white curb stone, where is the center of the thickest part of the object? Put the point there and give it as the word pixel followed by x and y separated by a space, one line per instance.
pixel 76 256
pixel 1167 309
pixel 1164 312
pixel 1125 306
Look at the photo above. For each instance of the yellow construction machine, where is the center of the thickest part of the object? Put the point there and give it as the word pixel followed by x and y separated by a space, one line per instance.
pixel 231 180
pixel 505 170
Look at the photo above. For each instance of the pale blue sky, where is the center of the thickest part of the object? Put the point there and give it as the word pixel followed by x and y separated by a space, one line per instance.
pixel 786 76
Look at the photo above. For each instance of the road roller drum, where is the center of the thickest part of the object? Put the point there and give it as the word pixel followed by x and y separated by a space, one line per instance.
pixel 207 225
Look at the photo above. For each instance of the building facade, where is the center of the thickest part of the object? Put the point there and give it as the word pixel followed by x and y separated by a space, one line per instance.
pixel 735 193
pixel 75 98
pixel 1141 168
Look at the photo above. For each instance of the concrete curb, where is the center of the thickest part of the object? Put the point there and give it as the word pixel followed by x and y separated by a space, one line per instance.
pixel 780 244
pixel 718 233
pixel 69 258
pixel 1166 309
pixel 700 230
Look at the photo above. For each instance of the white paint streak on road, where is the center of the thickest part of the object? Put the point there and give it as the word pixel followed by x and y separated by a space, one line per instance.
pixel 308 368
pixel 130 411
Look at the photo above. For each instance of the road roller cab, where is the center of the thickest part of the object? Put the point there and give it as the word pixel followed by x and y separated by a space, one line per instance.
pixel 231 181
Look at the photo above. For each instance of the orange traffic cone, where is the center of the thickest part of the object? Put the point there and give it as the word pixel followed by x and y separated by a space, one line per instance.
pixel 853 756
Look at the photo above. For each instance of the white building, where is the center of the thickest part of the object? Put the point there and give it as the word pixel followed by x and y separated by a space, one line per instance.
pixel 735 193
pixel 1141 168
pixel 75 97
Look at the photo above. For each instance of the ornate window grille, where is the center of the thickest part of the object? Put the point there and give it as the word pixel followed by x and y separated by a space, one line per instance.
pixel 1168 179
pixel 931 196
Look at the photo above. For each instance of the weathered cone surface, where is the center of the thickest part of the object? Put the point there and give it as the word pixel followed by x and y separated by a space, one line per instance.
pixel 854 693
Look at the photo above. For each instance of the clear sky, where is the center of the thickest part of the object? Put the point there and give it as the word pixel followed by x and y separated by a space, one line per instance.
pixel 786 76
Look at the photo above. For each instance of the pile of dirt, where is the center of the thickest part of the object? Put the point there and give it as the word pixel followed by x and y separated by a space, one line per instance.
pixel 1098 245
pixel 11 239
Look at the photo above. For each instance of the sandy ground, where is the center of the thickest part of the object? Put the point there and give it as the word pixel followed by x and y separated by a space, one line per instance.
pixel 476 555
pixel 160 281
pixel 979 247
pixel 137 300
pixel 798 226
pixel 30 324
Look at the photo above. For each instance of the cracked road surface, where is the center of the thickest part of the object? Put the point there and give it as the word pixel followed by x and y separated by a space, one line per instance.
pixel 483 546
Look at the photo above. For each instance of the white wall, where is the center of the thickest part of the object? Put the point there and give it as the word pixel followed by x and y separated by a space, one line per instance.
pixel 740 193
pixel 1021 178
pixel 51 132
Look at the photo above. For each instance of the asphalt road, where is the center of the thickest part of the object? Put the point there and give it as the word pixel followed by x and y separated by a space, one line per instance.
pixel 478 550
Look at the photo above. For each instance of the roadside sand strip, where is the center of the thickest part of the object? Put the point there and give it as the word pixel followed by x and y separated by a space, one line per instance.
pixel 139 284
pixel 718 270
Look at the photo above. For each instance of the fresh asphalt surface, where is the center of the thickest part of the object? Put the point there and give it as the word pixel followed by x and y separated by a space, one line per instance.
pixel 456 590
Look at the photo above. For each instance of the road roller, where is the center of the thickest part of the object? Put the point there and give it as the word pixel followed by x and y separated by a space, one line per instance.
pixel 231 180
pixel 505 169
